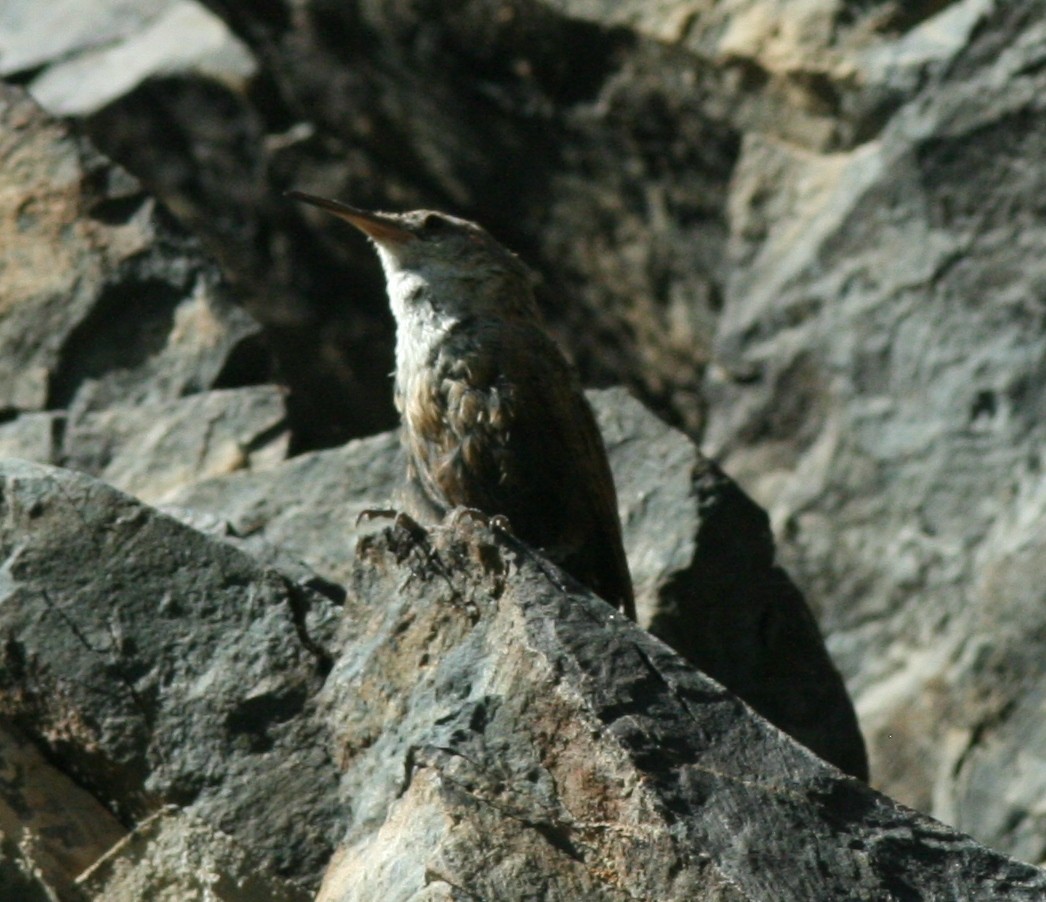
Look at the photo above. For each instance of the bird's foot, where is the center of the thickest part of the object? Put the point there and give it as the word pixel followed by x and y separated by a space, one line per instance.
pixel 400 518
pixel 497 522
pixel 407 539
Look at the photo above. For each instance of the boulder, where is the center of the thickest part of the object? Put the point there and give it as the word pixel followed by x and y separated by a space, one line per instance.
pixel 79 56
pixel 500 732
pixel 469 718
pixel 156 666
pixel 113 325
pixel 173 856
pixel 804 231
pixel 701 554
pixel 152 450
pixel 880 388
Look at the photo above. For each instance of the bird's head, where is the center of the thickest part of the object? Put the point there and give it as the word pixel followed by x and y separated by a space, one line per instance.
pixel 450 263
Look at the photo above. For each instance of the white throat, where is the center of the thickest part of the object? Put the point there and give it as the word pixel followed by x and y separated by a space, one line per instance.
pixel 419 325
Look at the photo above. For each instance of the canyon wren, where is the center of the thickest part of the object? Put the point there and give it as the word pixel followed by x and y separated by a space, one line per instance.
pixel 493 415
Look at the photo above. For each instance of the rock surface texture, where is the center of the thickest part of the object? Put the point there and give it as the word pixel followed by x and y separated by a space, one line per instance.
pixel 809 235
pixel 882 392
pixel 701 557
pixel 112 324
pixel 464 719
pixel 157 666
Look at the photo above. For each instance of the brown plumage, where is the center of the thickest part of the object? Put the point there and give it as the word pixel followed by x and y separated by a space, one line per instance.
pixel 493 415
pixel 500 424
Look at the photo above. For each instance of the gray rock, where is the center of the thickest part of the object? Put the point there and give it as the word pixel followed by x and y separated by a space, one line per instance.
pixel 33 436
pixel 880 388
pixel 174 856
pixel 158 666
pixel 152 450
pixel 498 733
pixel 845 192
pixel 111 312
pixel 183 37
pixel 32 35
pixel 466 721
pixel 307 506
pixel 104 302
pixel 82 55
pixel 701 555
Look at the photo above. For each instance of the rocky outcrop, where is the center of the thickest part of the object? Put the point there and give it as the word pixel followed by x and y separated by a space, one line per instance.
pixel 83 54
pixel 465 718
pixel 805 232
pixel 112 323
pixel 174 855
pixel 701 554
pixel 158 667
pixel 104 302
pixel 553 745
pixel 880 391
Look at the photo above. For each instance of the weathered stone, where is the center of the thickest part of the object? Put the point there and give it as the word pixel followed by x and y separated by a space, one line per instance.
pixel 174 856
pixel 700 551
pixel 157 666
pixel 881 389
pixel 307 506
pixel 492 729
pixel 844 191
pixel 704 568
pixel 181 36
pixel 32 36
pixel 77 55
pixel 33 436
pixel 154 449
pixel 103 301
pixel 499 733
pixel 55 824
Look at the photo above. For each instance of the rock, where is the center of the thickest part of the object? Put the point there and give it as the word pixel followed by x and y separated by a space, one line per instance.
pixel 175 856
pixel 471 696
pixel 704 569
pixel 879 388
pixel 307 506
pixel 52 828
pixel 498 732
pixel 31 37
pixel 110 318
pixel 184 38
pixel 700 551
pixel 157 666
pixel 466 722
pixel 19 877
pixel 75 70
pixel 34 436
pixel 805 231
pixel 152 450
pixel 105 302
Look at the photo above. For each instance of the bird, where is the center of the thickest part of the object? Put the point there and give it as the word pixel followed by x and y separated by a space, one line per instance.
pixel 493 415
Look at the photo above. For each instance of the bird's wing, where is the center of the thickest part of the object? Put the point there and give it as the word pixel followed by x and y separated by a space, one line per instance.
pixel 510 432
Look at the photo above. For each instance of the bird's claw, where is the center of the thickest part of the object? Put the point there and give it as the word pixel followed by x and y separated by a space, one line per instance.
pixel 399 518
pixel 497 522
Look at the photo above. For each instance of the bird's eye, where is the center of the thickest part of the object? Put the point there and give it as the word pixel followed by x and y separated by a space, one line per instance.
pixel 433 224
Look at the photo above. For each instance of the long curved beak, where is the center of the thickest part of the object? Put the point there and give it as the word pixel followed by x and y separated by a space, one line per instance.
pixel 379 226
